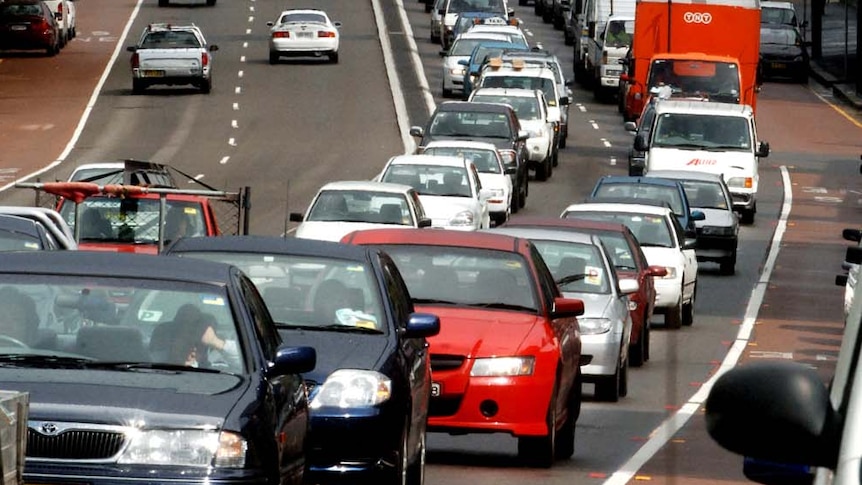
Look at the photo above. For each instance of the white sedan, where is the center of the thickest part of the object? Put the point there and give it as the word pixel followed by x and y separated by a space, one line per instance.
pixel 493 174
pixel 448 186
pixel 303 33
pixel 340 208
pixel 660 235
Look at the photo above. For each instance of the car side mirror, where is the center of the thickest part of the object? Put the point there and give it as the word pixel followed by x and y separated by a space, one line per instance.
pixel 292 360
pixel 213 48
pixel 132 48
pixel 424 222
pixel 417 131
pixel 463 62
pixel 564 101
pixel 270 23
pixel 421 325
pixel 762 149
pixel 656 271
pixel 697 215
pixel 523 135
pixel 628 286
pixel 641 142
pixel 689 243
pixel 624 77
pixel 336 24
pixel 485 194
pixel 296 217
pixel 630 126
pixel 850 234
pixel 567 308
pixel 444 52
pixel 853 255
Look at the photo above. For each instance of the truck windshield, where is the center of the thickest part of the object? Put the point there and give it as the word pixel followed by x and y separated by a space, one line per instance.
pixel 619 33
pixel 715 80
pixel 701 131
pixel 134 221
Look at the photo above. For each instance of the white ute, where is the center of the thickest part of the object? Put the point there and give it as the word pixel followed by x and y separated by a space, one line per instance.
pixel 174 55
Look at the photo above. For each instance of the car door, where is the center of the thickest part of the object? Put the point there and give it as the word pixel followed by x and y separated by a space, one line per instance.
pixel 413 354
pixel 689 275
pixel 476 187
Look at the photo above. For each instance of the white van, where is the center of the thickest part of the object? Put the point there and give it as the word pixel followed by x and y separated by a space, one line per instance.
pixel 708 137
pixel 591 17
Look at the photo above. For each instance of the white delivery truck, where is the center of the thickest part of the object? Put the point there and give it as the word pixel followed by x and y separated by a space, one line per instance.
pixel 589 26
pixel 711 137
pixel 606 53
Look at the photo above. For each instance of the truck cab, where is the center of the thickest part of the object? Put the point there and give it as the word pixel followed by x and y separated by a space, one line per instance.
pixel 607 52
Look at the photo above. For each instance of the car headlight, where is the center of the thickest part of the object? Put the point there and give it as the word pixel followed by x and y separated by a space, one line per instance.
pixel 671 273
pixel 463 218
pixel 503 367
pixel 537 134
pixel 594 326
pixel 201 448
pixel 350 388
pixel 457 71
pixel 497 192
pixel 741 182
pixel 717 231
pixel 508 156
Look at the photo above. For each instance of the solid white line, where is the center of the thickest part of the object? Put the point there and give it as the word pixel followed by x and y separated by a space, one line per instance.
pixel 415 59
pixel 665 432
pixel 90 104
pixel 394 82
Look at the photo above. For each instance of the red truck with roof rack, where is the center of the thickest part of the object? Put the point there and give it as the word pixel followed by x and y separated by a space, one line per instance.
pixel 704 49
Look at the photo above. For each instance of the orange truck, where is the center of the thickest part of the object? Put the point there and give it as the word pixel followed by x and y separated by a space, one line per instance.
pixel 707 50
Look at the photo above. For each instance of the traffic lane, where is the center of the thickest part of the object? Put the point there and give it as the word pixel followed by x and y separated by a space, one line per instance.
pixel 44 97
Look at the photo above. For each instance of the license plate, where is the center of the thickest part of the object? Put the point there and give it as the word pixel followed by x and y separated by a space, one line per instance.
pixel 778 65
pixel 18 27
pixel 435 389
pixel 305 35
pixel 153 73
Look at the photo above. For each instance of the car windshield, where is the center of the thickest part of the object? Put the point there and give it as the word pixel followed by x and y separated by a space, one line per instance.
pixel 576 267
pixel 132 220
pixel 486 161
pixel 361 206
pixel 526 107
pixel 783 37
pixel 650 230
pixel 543 84
pixel 705 195
pixel 465 276
pixel 302 18
pixel 439 180
pixel 775 15
pixel 715 80
pixel 470 124
pixel 493 6
pixel 170 39
pixel 17 241
pixel 619 251
pixel 304 291
pixel 701 132
pixel 96 320
pixel 634 191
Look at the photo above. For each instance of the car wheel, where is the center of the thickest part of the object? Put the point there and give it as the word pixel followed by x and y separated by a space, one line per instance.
pixel 416 470
pixel 608 387
pixel 563 135
pixel 333 58
pixel 206 86
pixel 673 317
pixel 688 309
pixel 728 265
pixel 556 160
pixel 747 216
pixel 624 379
pixel 273 58
pixel 515 205
pixel 547 17
pixel 211 3
pixel 138 86
pixel 52 50
pixel 542 171
pixel 565 446
pixel 447 93
pixel 163 3
pixel 637 351
pixel 568 39
pixel 550 168
pixel 647 330
pixel 540 451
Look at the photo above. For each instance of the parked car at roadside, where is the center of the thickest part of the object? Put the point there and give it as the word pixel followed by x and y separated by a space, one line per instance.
pixel 29 25
pixel 149 368
pixel 370 389
pixel 66 15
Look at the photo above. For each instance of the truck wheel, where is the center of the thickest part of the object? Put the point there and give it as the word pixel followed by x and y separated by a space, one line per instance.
pixel 206 86
pixel 138 86
pixel 163 3
pixel 747 216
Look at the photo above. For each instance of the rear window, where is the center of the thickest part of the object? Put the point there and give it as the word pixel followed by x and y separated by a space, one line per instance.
pixel 664 193
pixel 20 9
pixel 170 39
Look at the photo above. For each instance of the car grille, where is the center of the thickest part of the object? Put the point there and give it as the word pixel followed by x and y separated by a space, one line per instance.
pixel 73 441
pixel 442 362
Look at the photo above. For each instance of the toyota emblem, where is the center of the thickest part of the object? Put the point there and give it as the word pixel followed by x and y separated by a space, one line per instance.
pixel 49 428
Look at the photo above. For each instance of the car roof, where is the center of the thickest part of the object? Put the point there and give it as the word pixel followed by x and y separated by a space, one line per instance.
pixel 529 70
pixel 436 237
pixel 270 245
pixel 471 34
pixel 514 92
pixel 302 10
pixel 685 175
pixel 620 207
pixel 566 223
pixel 701 107
pixel 533 232
pixel 367 185
pixel 470 107
pixel 480 145
pixel 115 264
pixel 441 160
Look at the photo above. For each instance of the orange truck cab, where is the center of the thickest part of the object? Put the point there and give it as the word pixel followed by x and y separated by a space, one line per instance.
pixel 708 50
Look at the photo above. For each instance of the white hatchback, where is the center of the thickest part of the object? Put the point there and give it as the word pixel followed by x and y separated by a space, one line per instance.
pixel 303 33
pixel 448 186
pixel 494 175
pixel 664 244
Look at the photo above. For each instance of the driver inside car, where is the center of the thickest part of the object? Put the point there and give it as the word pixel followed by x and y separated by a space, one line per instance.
pixel 19 321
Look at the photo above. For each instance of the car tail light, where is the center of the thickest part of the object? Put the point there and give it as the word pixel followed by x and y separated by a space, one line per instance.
pixel 136 61
pixel 205 59
pixel 60 11
pixel 324 33
pixel 280 35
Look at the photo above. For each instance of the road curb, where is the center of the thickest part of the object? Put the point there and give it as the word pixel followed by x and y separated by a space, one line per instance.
pixel 846 92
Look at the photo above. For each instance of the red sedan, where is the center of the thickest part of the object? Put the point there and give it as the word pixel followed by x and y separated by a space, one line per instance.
pixel 508 355
pixel 629 262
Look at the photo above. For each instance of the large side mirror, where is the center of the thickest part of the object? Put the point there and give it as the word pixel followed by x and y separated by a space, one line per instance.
pixel 697 215
pixel 424 222
pixel 641 142
pixel 213 48
pixel 510 170
pixel 853 255
pixel 417 131
pixel 630 126
pixel 762 149
pixel 523 135
pixel 564 100
pixel 841 280
pixel 656 271
pixel 690 242
pixel 567 308
pixel 132 48
pixel 628 286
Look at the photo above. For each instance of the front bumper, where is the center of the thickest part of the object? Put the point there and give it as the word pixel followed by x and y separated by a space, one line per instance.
pixel 743 199
pixel 715 248
pixel 667 292
pixel 605 349
pixel 539 149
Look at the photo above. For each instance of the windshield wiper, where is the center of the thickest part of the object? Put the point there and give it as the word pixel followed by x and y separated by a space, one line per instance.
pixel 432 301
pixel 504 306
pixel 571 279
pixel 132 366
pixel 331 328
pixel 37 360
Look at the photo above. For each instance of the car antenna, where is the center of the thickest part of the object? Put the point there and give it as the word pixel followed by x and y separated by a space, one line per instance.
pixel 286 207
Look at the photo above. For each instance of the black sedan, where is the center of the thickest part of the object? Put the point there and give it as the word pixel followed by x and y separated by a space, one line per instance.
pixel 371 388
pixel 783 53
pixel 149 369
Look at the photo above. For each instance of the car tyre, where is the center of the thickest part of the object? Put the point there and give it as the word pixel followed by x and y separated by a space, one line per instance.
pixel 565 446
pixel 564 133
pixel 333 58
pixel 163 3
pixel 673 316
pixel 624 379
pixel 522 195
pixel 211 3
pixel 637 351
pixel 542 171
pixel 556 158
pixel 728 265
pixel 273 58
pixel 608 387
pixel 138 86
pixel 568 39
pixel 416 470
pixel 647 330
pixel 688 310
pixel 207 86
pixel 747 216
pixel 540 451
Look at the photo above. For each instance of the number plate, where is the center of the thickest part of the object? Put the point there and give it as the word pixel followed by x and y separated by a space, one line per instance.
pixel 305 35
pixel 778 65
pixel 435 389
pixel 153 73
pixel 18 27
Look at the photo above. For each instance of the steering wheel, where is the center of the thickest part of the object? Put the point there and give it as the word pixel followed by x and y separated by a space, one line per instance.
pixel 13 341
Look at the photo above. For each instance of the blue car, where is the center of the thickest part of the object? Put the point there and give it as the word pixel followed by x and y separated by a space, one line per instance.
pixel 630 189
pixel 481 53
pixel 370 391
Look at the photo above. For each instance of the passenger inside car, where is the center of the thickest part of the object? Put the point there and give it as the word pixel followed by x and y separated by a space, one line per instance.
pixel 19 320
